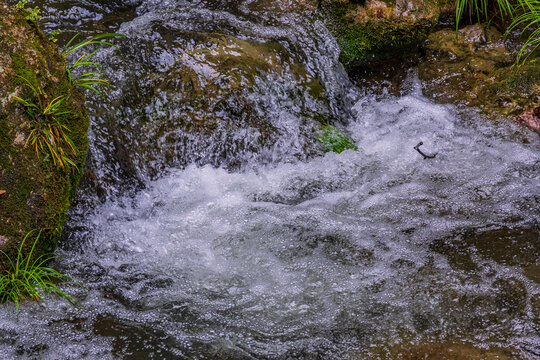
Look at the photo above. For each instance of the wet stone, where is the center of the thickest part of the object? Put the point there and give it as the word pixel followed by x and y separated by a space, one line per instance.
pixel 475 68
pixel 224 102
pixel 506 246
pixel 443 351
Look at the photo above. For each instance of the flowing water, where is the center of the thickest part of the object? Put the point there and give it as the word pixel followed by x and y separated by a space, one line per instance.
pixel 232 245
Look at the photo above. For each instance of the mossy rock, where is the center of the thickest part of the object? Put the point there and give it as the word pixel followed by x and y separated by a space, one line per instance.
pixel 475 68
pixel 37 193
pixel 376 30
pixel 226 102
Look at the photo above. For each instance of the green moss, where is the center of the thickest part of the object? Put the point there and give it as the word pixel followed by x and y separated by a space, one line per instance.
pixel 379 41
pixel 317 89
pixel 375 40
pixel 334 140
pixel 22 69
pixel 38 194
pixel 5 134
pixel 524 79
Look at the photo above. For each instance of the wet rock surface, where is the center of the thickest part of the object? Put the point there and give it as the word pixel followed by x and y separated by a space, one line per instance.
pixel 211 107
pixel 476 69
pixel 446 351
pixel 37 192
pixel 190 89
pixel 506 246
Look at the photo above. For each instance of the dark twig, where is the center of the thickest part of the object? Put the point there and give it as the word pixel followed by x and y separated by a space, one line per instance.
pixel 426 156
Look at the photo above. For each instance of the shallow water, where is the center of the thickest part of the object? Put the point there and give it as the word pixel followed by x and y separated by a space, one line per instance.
pixel 290 257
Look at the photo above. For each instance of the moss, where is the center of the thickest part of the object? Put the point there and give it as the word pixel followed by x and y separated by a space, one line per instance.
pixel 374 39
pixel 333 140
pixel 362 42
pixel 38 194
pixel 525 79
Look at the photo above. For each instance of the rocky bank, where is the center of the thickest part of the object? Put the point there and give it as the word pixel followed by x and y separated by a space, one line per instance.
pixel 37 192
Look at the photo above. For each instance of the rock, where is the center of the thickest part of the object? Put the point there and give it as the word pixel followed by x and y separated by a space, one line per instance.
pixel 535 305
pixel 445 350
pixel 272 8
pixel 475 69
pixel 377 30
pixel 225 102
pixel 38 193
pixel 507 246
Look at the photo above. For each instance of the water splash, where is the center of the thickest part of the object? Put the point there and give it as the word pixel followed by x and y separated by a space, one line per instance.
pixel 320 257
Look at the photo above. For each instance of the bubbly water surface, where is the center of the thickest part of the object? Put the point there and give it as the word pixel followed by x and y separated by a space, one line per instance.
pixel 325 256
pixel 317 258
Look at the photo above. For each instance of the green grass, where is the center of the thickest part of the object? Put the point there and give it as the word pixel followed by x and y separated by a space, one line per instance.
pixel 47 134
pixel 528 19
pixel 29 279
pixel 333 140
pixel 525 15
pixel 480 8
pixel 91 80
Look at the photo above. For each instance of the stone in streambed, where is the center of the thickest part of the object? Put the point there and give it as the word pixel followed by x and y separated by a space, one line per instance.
pixel 224 102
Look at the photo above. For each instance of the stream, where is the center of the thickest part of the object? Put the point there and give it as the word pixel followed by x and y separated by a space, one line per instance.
pixel 241 239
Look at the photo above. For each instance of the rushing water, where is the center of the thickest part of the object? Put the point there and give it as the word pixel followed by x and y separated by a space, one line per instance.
pixel 277 255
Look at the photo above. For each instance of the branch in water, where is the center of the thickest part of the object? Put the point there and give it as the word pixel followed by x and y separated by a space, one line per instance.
pixel 426 156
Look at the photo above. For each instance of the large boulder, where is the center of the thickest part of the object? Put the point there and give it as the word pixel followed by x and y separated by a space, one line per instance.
pixel 37 192
pixel 225 102
pixel 375 30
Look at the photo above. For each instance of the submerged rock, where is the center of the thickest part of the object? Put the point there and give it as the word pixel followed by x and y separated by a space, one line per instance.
pixel 475 68
pixel 272 8
pixel 37 192
pixel 444 351
pixel 375 30
pixel 506 246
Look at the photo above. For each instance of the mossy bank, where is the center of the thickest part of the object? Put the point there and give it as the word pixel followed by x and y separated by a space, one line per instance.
pixel 376 30
pixel 37 192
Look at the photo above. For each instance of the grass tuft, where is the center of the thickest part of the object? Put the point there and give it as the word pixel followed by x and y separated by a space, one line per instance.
pixel 28 279
pixel 91 80
pixel 529 18
pixel 47 134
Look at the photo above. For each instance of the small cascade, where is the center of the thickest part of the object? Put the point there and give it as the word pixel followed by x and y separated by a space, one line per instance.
pixel 211 224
